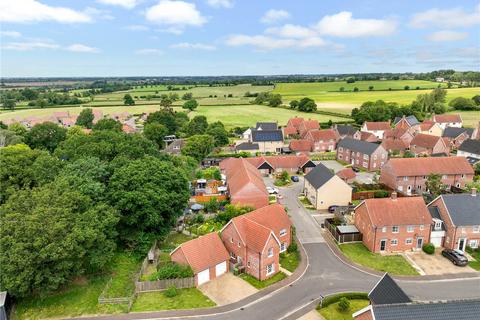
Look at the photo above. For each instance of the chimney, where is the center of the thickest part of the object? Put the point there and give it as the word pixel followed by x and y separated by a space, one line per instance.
pixel 474 192
pixel 394 195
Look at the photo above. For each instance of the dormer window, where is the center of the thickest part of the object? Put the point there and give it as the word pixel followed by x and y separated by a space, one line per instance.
pixel 438 225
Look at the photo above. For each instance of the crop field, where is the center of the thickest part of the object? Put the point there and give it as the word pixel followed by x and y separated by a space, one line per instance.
pixel 470 118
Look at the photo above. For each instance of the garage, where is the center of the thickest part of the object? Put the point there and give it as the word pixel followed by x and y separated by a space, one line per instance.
pixel 203 276
pixel 220 268
pixel 436 241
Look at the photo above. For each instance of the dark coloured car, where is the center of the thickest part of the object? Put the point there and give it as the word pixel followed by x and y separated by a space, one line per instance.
pixel 295 178
pixel 456 257
pixel 355 169
pixel 332 209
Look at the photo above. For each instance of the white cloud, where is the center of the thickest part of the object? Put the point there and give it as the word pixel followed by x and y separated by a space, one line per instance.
pixel 30 45
pixel 265 43
pixel 95 13
pixel 127 4
pixel 344 25
pixel 175 14
pixel 291 31
pixel 446 18
pixel 194 46
pixel 10 34
pixel 272 16
pixel 220 3
pixel 137 27
pixel 446 35
pixel 149 51
pixel 33 11
pixel 172 30
pixel 77 47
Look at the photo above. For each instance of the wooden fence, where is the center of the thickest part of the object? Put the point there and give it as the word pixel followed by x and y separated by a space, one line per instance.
pixel 362 195
pixel 144 286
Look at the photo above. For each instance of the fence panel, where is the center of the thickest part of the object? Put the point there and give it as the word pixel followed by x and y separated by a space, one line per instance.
pixel 143 286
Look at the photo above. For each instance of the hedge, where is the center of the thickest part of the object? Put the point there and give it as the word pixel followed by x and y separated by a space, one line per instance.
pixel 328 300
pixel 428 248
pixel 171 270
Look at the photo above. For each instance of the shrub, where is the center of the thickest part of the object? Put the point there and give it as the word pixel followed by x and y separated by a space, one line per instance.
pixel 336 297
pixel 343 304
pixel 380 194
pixel 293 247
pixel 171 271
pixel 428 248
pixel 170 292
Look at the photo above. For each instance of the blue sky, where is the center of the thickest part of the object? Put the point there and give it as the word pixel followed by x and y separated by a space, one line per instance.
pixel 235 37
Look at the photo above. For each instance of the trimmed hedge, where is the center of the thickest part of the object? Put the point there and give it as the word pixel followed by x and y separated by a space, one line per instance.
pixel 171 270
pixel 428 248
pixel 336 298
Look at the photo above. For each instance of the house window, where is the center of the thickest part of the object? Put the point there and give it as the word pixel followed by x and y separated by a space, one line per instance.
pixel 405 178
pixel 410 228
pixel 463 230
pixel 233 256
pixel 270 252
pixel 394 242
pixel 476 229
pixel 340 149
pixel 248 264
pixel 438 225
pixel 231 240
pixel 458 185
pixel 283 232
pixel 383 155
pixel 408 241
pixel 375 157
pixel 463 176
pixel 395 229
pixel 365 157
pixel 473 244
pixel 421 227
pixel 283 247
pixel 270 269
pixel 444 177
pixel 239 244
pixel 384 229
pixel 340 156
pixel 365 165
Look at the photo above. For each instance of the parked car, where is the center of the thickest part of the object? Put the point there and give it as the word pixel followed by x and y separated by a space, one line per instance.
pixel 272 190
pixel 332 209
pixel 456 257
pixel 295 178
pixel 355 169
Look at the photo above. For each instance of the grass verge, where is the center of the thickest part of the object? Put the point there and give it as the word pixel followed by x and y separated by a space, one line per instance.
pixel 394 264
pixel 265 283
pixel 125 266
pixel 331 312
pixel 475 264
pixel 185 299
pixel 173 240
pixel 290 261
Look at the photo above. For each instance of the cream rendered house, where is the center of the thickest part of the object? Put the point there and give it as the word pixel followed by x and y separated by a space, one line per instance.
pixel 323 188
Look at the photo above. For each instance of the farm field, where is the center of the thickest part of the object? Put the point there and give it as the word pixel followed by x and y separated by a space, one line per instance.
pixel 470 118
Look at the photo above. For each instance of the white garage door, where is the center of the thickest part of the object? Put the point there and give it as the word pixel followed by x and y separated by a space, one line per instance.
pixel 203 276
pixel 221 268
pixel 436 241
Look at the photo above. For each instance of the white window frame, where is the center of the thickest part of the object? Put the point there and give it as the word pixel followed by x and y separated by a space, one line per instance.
pixel 394 242
pixel 410 229
pixel 384 229
pixel 422 227
pixel 270 252
pixel 438 225
pixel 283 232
pixel 272 268
pixel 476 229
pixel 283 247
pixel 408 241
pixel 473 243
pixel 395 228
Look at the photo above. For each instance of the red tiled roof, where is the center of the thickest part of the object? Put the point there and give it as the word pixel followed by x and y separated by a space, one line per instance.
pixel 127 129
pixel 402 211
pixel 204 252
pixel 396 133
pixel 315 135
pixel 426 166
pixel 346 174
pixel 393 144
pixel 384 125
pixel 368 136
pixel 300 145
pixel 445 118
pixel 426 125
pixel 289 131
pixel 308 125
pixel 425 140
pixel 295 122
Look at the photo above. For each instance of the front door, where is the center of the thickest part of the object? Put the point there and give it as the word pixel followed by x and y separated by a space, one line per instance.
pixel 461 244
pixel 383 244
pixel 419 243
pixel 409 190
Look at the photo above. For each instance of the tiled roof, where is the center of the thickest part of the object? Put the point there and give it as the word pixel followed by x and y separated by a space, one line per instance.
pixel 278 162
pixel 267 135
pixel 346 130
pixel 128 129
pixel 295 122
pixel 358 145
pixel 387 291
pixel 425 166
pixel 204 252
pixel 464 209
pixel 316 135
pixel 453 132
pixel 411 120
pixel 247 146
pixel 472 146
pixel 308 125
pixel 289 130
pixel 394 145
pixel 447 118
pixel 395 133
pixel 384 125
pixel 427 141
pixel 368 136
pixel 300 145
pixel 273 217
pixel 347 174
pixel 426 125
pixel 319 175
pixel 400 211
pixel 268 126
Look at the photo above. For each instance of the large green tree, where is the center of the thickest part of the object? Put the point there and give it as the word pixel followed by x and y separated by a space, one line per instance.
pixel 434 184
pixel 108 124
pixel 85 118
pixel 128 100
pixel 8 138
pixel 307 105
pixel 155 132
pixel 198 125
pixel 198 146
pixel 218 132
pixel 165 117
pixel 190 105
pixel 47 135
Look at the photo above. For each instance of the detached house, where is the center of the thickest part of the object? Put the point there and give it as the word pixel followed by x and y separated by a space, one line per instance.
pixel 460 214
pixel 361 154
pixel 448 120
pixel 393 224
pixel 402 134
pixel 431 128
pixel 268 140
pixel 408 175
pixel 376 128
pixel 345 131
pixel 470 149
pixel 427 145
pixel 255 240
pixel 322 140
pixel 307 125
pixel 456 136
pixel 406 122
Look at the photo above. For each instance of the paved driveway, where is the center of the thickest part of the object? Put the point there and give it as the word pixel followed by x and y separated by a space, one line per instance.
pixel 435 264
pixel 331 164
pixel 227 289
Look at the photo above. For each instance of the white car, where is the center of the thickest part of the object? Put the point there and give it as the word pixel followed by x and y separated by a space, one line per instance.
pixel 272 190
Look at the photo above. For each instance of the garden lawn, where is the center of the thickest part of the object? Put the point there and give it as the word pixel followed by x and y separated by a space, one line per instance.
pixel 332 313
pixel 394 264
pixel 290 261
pixel 265 283
pixel 173 240
pixel 186 299
pixel 124 268
pixel 475 264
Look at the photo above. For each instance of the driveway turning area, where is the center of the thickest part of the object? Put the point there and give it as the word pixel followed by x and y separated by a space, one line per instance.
pixel 436 264
pixel 227 289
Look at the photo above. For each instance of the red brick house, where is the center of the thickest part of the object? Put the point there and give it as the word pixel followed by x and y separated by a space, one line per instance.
pixel 460 214
pixel 427 145
pixel 206 255
pixel 408 175
pixel 295 122
pixel 306 126
pixel 393 224
pixel 365 136
pixel 289 131
pixel 347 175
pixel 255 240
pixel 322 140
pixel 394 146
pixel 361 154
pixel 406 122
pixel 456 136
pixel 402 134
pixel 376 128
pixel 448 120
pixel 300 145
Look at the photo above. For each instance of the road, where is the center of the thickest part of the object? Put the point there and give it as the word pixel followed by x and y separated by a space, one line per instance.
pixel 325 274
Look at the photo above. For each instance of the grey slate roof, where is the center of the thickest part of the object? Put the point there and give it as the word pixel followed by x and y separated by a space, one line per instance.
pixel 267 135
pixel 358 145
pixel 247 146
pixel 319 175
pixel 435 214
pixel 175 146
pixel 412 120
pixel 464 208
pixel 346 130
pixel 469 145
pixel 452 132
pixel 457 310
pixel 266 126
pixel 387 291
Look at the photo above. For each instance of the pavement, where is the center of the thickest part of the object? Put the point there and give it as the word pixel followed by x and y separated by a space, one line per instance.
pixel 312 315
pixel 325 274
pixel 227 289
